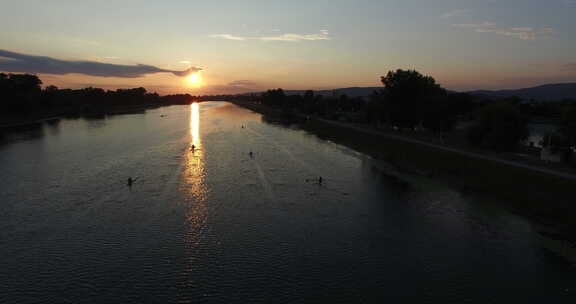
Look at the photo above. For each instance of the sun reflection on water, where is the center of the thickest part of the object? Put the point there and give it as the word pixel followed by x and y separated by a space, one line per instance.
pixel 193 185
pixel 195 124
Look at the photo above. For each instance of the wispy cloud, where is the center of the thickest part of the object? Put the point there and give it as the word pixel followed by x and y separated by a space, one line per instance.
pixel 296 37
pixel 228 37
pixel 456 13
pixel 242 84
pixel 323 35
pixel 524 33
pixel 570 3
pixel 106 58
pixel 475 25
pixel 237 86
pixel 21 63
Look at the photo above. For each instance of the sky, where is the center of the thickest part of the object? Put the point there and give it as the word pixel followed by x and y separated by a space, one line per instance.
pixel 253 45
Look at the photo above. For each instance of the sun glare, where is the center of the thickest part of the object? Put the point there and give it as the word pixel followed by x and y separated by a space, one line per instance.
pixel 194 80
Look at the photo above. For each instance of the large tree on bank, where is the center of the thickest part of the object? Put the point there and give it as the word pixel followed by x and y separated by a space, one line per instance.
pixel 408 96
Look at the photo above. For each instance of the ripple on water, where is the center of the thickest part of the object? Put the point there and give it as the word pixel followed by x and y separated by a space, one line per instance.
pixel 72 232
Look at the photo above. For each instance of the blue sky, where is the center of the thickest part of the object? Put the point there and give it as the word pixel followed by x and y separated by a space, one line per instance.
pixel 249 45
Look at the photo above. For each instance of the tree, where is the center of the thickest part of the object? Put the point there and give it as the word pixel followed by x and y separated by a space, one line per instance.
pixel 410 84
pixel 439 114
pixel 25 82
pixel 500 126
pixel 274 97
pixel 308 96
pixel 568 124
pixel 406 94
pixel 308 102
pixel 19 91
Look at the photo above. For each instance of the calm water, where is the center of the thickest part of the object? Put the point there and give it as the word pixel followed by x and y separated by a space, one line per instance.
pixel 214 225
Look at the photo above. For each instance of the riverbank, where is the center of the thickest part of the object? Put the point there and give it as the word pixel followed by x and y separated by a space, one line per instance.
pixel 544 195
pixel 38 118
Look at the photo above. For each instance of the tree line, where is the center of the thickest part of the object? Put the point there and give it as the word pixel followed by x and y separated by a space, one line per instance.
pixel 410 100
pixel 407 100
pixel 23 96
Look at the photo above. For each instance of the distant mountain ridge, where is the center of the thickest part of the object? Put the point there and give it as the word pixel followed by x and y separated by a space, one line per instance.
pixel 556 91
pixel 350 92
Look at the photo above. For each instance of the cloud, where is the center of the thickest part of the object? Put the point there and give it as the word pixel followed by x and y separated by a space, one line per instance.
pixel 296 37
pixel 570 3
pixel 228 37
pixel 456 13
pixel 475 25
pixel 242 84
pixel 185 72
pixel 323 35
pixel 524 33
pixel 16 62
pixel 234 87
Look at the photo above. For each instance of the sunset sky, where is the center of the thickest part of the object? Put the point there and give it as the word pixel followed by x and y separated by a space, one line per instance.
pixel 314 44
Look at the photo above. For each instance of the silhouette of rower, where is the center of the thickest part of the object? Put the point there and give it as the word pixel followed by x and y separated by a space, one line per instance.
pixel 130 181
pixel 251 154
pixel 193 148
pixel 320 180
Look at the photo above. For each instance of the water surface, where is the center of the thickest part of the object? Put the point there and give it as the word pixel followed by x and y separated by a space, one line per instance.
pixel 214 225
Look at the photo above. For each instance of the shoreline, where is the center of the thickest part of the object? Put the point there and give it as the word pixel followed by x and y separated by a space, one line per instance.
pixel 542 195
pixel 26 121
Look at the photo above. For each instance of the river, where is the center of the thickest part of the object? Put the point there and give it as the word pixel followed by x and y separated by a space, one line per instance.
pixel 213 224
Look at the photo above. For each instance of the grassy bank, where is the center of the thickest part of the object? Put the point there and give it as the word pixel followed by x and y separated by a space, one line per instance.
pixel 545 197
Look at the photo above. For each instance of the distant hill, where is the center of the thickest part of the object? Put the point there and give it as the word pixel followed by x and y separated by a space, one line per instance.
pixel 350 92
pixel 544 92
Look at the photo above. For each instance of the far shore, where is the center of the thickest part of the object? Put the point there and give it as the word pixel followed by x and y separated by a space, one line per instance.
pixel 14 122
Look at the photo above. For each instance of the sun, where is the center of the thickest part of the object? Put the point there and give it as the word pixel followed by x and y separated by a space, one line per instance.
pixel 194 80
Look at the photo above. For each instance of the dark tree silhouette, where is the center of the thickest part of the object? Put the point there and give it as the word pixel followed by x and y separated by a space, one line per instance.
pixel 19 91
pixel 568 125
pixel 405 84
pixel 406 94
pixel 274 98
pixel 499 126
pixel 22 98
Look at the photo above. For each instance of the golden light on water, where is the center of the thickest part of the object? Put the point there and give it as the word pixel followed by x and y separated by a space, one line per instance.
pixel 193 185
pixel 195 124
pixel 194 173
pixel 195 192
